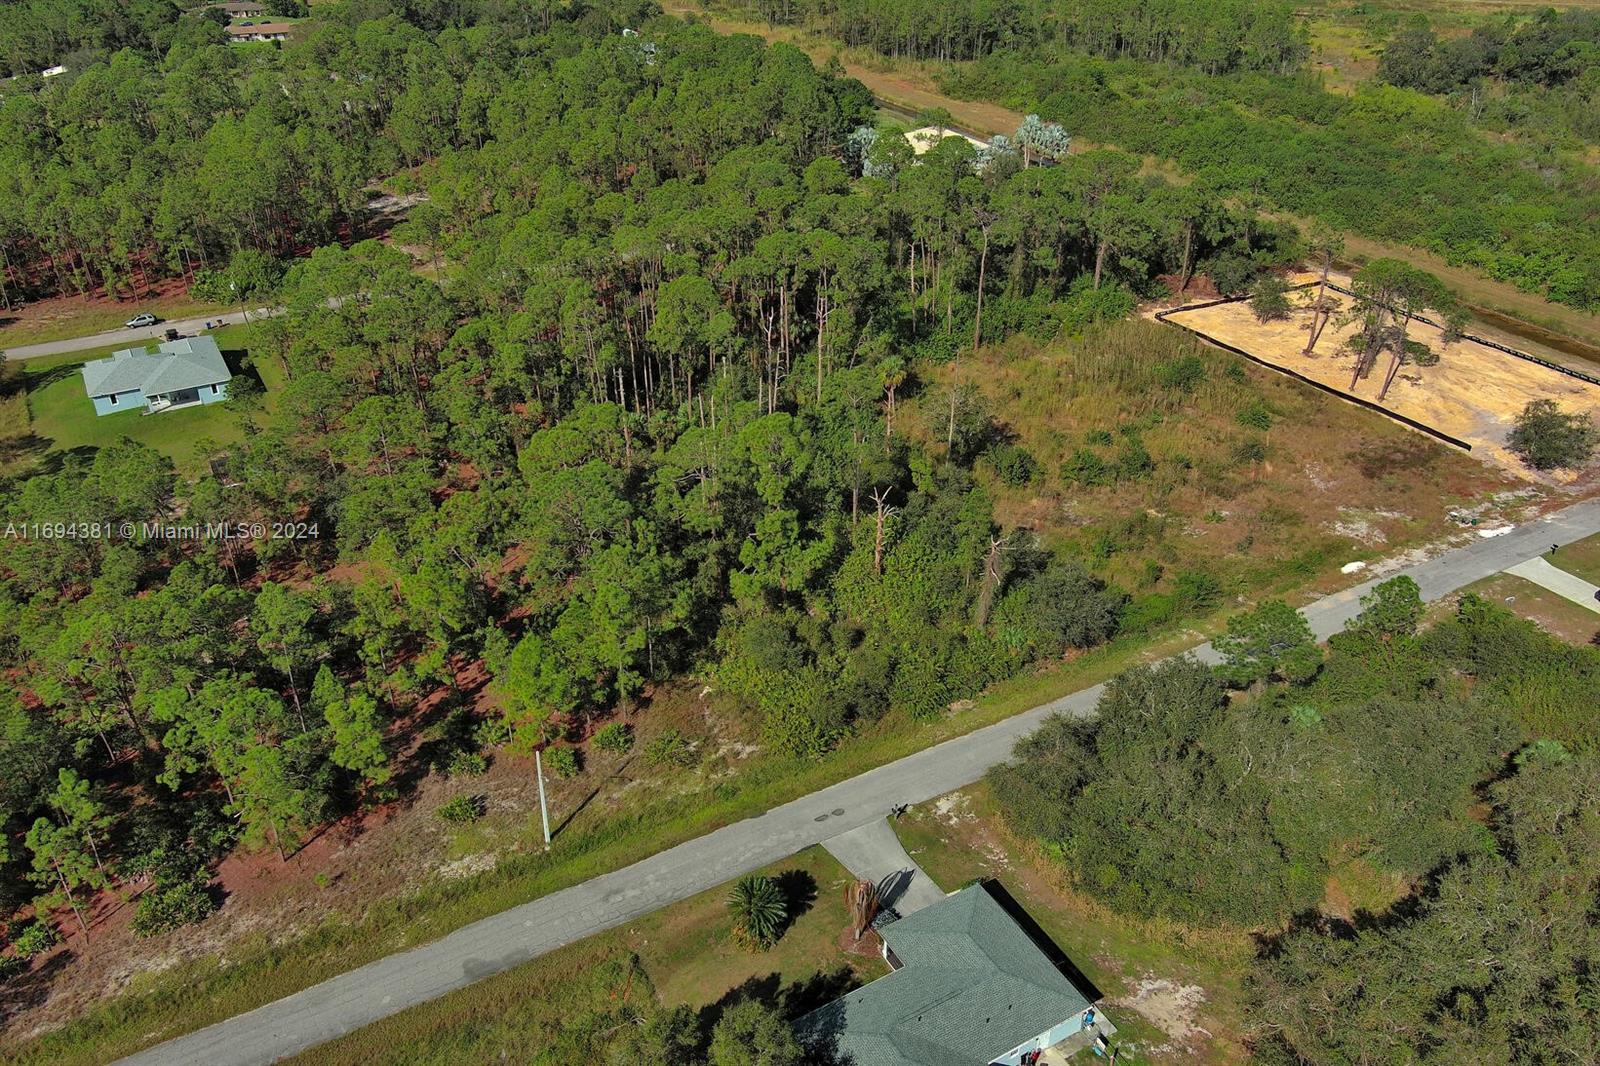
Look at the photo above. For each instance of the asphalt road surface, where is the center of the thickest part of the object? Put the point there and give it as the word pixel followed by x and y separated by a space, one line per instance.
pixel 186 326
pixel 379 989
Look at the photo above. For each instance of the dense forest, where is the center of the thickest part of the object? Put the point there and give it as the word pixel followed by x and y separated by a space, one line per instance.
pixel 1538 76
pixel 1457 761
pixel 662 406
pixel 1213 36
pixel 1223 89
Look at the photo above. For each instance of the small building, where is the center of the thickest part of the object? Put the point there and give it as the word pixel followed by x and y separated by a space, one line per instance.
pixel 925 139
pixel 181 373
pixel 972 982
pixel 261 31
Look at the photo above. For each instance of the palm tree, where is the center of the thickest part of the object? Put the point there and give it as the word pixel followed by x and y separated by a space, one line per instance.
pixel 759 910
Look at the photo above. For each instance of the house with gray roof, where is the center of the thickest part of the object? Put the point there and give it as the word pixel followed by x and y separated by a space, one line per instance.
pixel 181 373
pixel 969 985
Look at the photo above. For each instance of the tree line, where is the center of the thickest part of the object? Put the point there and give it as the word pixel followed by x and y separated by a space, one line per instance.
pixel 1213 36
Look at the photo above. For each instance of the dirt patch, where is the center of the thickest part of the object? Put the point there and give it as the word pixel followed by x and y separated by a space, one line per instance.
pixel 1474 393
pixel 1171 1007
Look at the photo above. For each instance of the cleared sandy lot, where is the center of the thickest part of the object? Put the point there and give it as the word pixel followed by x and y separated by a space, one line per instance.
pixel 1473 393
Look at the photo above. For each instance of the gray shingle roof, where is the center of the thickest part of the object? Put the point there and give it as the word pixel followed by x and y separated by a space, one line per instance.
pixel 187 363
pixel 972 985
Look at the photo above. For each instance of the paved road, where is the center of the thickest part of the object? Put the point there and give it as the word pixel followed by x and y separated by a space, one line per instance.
pixel 874 853
pixel 1560 582
pixel 186 326
pixel 524 932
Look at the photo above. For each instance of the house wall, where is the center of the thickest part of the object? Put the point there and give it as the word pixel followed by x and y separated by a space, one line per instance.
pixel 220 393
pixel 1051 1036
pixel 126 401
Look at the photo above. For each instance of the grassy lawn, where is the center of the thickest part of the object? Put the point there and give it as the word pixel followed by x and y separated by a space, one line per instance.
pixel 45 412
pixel 1173 992
pixel 76 316
pixel 686 950
pixel 1581 559
pixel 1553 613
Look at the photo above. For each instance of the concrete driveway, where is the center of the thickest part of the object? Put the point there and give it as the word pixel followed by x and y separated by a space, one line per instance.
pixel 874 853
pixel 1557 580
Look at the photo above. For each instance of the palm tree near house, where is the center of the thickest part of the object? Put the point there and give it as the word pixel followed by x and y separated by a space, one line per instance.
pixel 759 910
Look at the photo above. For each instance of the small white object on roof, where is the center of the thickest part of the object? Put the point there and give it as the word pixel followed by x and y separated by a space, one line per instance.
pixel 53 72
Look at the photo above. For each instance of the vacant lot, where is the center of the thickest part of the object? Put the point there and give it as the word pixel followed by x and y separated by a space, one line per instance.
pixel 1259 481
pixel 1474 393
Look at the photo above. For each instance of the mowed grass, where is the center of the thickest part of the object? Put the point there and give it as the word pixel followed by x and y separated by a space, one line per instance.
pixel 1581 558
pixel 687 950
pixel 45 411
pixel 76 316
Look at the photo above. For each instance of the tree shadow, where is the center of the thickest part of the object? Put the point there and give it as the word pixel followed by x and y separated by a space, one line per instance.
pixel 31 988
pixel 799 890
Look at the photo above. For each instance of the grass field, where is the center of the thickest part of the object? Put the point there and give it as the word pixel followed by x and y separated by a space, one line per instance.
pixel 687 951
pixel 1581 558
pixel 46 413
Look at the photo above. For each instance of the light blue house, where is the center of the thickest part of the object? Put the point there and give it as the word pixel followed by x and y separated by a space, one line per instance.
pixel 180 373
pixel 973 982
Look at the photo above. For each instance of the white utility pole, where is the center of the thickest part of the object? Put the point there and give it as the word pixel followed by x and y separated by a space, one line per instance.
pixel 544 811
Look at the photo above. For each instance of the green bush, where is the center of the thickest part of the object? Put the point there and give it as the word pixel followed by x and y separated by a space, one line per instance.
pixel 614 737
pixel 169 906
pixel 466 764
pixel 669 748
pixel 35 938
pixel 1255 415
pixel 1086 468
pixel 462 809
pixel 1183 374
pixel 1547 437
pixel 563 762
pixel 759 911
pixel 1012 464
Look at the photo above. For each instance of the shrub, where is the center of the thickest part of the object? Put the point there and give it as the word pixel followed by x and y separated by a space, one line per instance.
pixel 759 911
pixel 669 748
pixel 615 737
pixel 35 938
pixel 564 762
pixel 466 764
pixel 1086 468
pixel 1547 437
pixel 1183 374
pixel 1255 415
pixel 1012 465
pixel 1133 461
pixel 462 809
pixel 169 906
